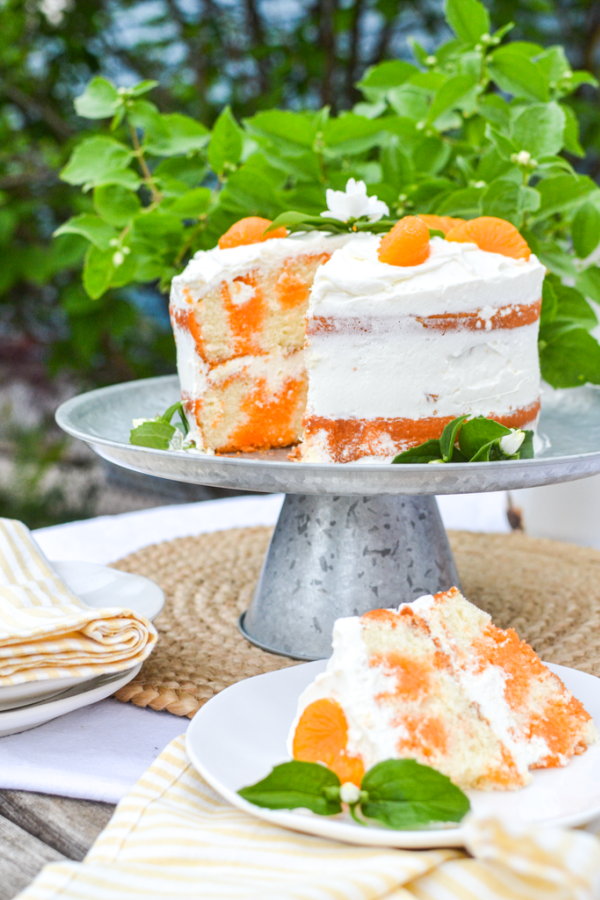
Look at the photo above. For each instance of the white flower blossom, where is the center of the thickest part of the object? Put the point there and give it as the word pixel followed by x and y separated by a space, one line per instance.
pixel 511 443
pixel 354 203
pixel 523 157
pixel 349 793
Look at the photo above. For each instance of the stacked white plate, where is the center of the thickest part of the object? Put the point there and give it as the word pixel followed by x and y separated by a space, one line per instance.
pixel 24 706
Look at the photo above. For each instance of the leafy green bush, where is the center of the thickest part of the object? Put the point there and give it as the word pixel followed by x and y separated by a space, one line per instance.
pixel 478 128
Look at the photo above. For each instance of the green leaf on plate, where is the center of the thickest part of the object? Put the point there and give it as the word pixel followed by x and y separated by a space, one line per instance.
pixel 157 435
pixel 425 453
pixel 404 794
pixel 294 785
pixel 478 432
pixel 449 436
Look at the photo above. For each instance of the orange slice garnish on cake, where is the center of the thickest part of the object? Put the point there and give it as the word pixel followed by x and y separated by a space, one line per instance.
pixel 249 231
pixel 407 244
pixel 440 223
pixel 491 234
pixel 321 736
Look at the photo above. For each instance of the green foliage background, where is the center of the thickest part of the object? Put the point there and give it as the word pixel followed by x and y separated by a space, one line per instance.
pixel 467 122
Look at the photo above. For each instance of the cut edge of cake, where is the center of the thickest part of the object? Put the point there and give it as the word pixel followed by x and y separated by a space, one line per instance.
pixel 436 681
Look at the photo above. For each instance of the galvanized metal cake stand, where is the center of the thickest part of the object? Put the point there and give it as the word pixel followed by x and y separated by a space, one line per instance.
pixel 352 537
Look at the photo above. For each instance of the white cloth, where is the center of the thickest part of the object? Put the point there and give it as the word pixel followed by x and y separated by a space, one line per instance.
pixel 99 752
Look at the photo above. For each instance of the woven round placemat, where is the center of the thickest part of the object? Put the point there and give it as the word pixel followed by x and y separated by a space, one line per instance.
pixel 548 591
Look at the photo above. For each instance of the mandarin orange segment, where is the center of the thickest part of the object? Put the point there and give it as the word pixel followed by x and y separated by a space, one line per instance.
pixel 491 234
pixel 407 244
pixel 440 223
pixel 321 736
pixel 249 231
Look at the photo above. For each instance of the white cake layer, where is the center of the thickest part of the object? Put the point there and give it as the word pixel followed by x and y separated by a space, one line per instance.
pixel 209 268
pixel 422 373
pixel 197 378
pixel 456 278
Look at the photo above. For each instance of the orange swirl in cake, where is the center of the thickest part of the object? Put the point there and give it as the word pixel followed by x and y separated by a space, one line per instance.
pixel 436 681
pixel 238 317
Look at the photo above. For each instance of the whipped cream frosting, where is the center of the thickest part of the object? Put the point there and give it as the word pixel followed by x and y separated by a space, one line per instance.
pixel 455 278
pixel 404 369
pixel 208 268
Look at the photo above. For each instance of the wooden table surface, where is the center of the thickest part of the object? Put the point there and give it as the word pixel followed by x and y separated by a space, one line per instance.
pixel 38 828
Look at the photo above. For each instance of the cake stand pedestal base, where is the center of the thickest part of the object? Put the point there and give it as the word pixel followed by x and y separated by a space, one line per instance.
pixel 333 556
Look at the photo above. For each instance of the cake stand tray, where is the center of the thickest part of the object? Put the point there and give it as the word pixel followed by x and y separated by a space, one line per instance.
pixel 350 537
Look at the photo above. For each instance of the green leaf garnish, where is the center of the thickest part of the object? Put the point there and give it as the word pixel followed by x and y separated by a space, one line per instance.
pixel 398 793
pixel 402 793
pixel 449 436
pixel 294 785
pixel 158 433
pixel 298 221
pixel 428 452
pixel 470 440
pixel 477 433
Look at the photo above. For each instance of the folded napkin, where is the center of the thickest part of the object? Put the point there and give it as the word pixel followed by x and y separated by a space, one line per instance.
pixel 173 836
pixel 47 632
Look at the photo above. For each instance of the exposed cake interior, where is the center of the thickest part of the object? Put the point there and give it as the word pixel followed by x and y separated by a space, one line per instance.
pixel 238 318
pixel 436 681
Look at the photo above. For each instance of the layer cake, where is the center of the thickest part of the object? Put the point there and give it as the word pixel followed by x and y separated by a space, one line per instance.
pixel 395 352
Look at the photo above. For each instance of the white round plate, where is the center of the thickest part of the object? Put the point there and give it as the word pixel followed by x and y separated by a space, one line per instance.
pixel 239 735
pixel 97 587
pixel 15 720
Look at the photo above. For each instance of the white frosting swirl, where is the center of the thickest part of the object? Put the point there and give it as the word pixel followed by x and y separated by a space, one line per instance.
pixel 455 278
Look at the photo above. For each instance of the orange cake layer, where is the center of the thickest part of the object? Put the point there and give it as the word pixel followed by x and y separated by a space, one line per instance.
pixel 504 317
pixel 436 681
pixel 346 440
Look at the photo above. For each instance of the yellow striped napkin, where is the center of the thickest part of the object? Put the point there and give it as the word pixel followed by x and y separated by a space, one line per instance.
pixel 174 837
pixel 46 631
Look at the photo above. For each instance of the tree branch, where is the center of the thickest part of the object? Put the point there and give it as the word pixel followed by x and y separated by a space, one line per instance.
pixel 352 94
pixel 40 110
pixel 326 10
pixel 257 35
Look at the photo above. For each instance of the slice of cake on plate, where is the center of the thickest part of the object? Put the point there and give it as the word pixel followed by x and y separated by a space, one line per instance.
pixel 436 681
pixel 405 333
